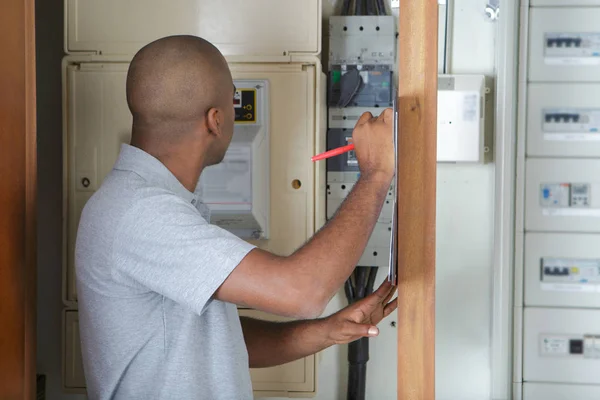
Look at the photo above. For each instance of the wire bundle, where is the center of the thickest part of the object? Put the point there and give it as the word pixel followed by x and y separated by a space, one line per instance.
pixel 364 7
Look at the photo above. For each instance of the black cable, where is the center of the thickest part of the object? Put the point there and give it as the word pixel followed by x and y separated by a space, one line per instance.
pixel 381 7
pixel 371 281
pixel 346 7
pixel 357 7
pixel 448 5
pixel 349 290
pixel 371 7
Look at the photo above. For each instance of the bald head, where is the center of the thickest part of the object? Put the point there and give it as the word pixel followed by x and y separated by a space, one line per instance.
pixel 175 86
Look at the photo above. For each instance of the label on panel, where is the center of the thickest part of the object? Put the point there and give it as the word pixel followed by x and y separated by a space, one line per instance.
pixel 561 345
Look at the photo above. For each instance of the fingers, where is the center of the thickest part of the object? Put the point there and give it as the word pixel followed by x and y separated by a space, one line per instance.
pixel 389 307
pixel 384 290
pixel 386 115
pixel 354 330
pixel 366 116
pixel 390 294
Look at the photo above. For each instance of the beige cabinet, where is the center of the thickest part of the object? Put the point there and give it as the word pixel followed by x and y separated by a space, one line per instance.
pixel 295 379
pixel 97 121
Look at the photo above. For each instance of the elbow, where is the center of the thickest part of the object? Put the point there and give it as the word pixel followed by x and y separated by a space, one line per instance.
pixel 310 305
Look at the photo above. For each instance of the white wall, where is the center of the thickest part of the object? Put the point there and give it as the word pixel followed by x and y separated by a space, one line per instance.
pixel 464 237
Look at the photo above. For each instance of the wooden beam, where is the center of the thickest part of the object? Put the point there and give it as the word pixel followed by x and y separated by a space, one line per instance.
pixel 18 169
pixel 416 180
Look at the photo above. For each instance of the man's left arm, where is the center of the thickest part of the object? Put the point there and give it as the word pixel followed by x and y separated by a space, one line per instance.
pixel 275 343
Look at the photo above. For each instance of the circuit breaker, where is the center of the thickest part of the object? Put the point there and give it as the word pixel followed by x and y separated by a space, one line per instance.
pixel 561 345
pixel 562 195
pixel 237 191
pixel 563 120
pixel 564 44
pixel 562 270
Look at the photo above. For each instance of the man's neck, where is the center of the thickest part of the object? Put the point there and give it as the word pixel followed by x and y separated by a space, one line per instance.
pixel 181 160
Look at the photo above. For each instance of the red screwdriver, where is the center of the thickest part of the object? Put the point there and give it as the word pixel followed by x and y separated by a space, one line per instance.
pixel 333 153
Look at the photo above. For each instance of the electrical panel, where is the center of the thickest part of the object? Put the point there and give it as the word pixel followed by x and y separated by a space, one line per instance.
pixel 460 118
pixel 262 177
pixel 236 191
pixel 563 120
pixel 562 270
pixel 562 195
pixel 236 27
pixel 564 44
pixel 557 280
pixel 561 345
pixel 557 391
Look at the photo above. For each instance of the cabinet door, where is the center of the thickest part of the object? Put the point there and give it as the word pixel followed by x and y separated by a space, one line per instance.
pixel 295 379
pixel 73 378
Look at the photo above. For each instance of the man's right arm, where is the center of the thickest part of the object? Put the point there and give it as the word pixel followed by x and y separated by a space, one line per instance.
pixel 302 284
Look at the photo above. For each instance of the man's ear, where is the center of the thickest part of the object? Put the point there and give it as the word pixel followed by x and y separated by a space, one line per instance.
pixel 214 121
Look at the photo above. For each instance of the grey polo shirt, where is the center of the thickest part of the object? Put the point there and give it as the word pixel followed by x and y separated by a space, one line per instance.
pixel 147 266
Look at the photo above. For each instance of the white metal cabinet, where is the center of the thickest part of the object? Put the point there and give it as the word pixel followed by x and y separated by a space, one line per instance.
pixel 562 195
pixel 562 270
pixel 560 346
pixel 550 391
pixel 563 120
pixel 564 44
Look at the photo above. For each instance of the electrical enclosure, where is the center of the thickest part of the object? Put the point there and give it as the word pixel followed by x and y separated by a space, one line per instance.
pixel 562 270
pixel 563 120
pixel 564 44
pixel 562 195
pixel 561 345
pixel 460 120
pixel 555 391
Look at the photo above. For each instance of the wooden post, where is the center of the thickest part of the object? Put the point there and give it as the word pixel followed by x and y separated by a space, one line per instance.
pixel 416 180
pixel 18 169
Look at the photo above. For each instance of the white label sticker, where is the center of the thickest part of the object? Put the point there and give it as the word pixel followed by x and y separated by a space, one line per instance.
pixel 570 287
pixel 572 60
pixel 572 137
pixel 571 212
pixel 554 345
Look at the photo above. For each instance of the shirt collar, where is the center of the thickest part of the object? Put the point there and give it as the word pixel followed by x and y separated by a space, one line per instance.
pixel 152 170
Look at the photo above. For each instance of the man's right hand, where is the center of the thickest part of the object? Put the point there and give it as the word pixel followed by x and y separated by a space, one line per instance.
pixel 374 145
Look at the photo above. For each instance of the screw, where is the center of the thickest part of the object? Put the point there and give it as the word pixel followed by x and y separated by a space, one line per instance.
pixel 393 324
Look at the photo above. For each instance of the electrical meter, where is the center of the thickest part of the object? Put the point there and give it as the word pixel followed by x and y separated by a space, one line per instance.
pixel 236 191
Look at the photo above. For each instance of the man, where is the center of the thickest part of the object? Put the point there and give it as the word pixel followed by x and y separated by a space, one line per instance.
pixel 158 286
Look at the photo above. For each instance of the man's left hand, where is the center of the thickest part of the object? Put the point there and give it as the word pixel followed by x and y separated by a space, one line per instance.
pixel 360 319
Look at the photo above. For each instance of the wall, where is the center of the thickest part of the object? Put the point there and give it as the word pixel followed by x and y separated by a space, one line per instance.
pixel 464 236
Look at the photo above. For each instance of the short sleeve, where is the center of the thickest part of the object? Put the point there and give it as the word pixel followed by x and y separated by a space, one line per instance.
pixel 164 245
